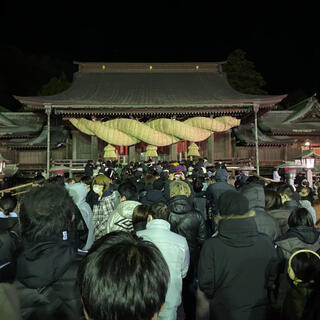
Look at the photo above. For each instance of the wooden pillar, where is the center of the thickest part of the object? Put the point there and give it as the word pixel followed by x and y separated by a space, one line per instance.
pixel 173 152
pixel 132 154
pixel 256 109
pixel 229 144
pixel 94 148
pixel 48 109
pixel 210 148
pixel 285 152
pixel 75 135
pixel 67 154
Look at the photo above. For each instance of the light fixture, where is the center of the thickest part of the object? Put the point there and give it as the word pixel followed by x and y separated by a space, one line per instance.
pixel 103 67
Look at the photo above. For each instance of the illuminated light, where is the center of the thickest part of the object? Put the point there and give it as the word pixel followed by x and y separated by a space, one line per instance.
pixel 197 67
pixel 150 67
pixel 103 67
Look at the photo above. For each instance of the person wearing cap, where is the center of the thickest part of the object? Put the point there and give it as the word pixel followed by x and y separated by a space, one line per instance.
pixel 235 263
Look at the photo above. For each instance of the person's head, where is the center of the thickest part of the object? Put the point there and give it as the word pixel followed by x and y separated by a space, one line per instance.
pixel 128 191
pixel 8 204
pixel 140 214
pixel 100 183
pixel 56 180
pixel 70 181
pixel 233 203
pixel 272 199
pixel 149 178
pixel 46 212
pixel 304 192
pixel 304 268
pixel 221 175
pixel 300 217
pixel 158 210
pixel 123 277
pixel 197 185
pixel 286 192
pixel 179 188
pixel 86 180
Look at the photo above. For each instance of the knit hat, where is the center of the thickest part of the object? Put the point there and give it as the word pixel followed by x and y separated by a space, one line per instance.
pixel 233 203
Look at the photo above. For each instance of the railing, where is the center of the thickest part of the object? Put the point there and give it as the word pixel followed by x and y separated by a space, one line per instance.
pixel 30 184
pixel 70 165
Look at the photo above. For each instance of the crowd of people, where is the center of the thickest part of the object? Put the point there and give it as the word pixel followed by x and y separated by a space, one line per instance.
pixel 160 240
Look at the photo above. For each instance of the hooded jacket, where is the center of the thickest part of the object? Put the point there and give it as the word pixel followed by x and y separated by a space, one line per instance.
pixel 46 280
pixel 189 223
pixel 233 267
pixel 121 217
pixel 215 190
pixel 78 192
pixel 267 224
pixel 282 214
pixel 297 238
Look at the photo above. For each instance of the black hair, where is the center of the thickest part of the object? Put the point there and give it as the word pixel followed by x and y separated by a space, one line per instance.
pixel 123 277
pixel 286 189
pixel 46 212
pixel 197 185
pixel 128 190
pixel 306 267
pixel 149 178
pixel 7 204
pixel 159 210
pixel 140 213
pixel 86 180
pixel 272 199
pixel 55 180
pixel 300 217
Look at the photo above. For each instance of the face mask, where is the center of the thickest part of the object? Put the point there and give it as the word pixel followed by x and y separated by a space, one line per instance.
pixel 98 189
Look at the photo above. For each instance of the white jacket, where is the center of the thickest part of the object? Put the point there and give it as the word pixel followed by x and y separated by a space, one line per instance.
pixel 175 251
pixel 121 217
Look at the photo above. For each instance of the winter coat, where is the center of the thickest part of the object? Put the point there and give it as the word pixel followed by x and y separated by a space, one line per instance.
pixel 282 214
pixel 121 217
pixel 200 203
pixel 88 170
pixel 215 190
pixel 233 267
pixel 149 197
pixel 175 251
pixel 267 224
pixel 46 280
pixel 307 204
pixel 189 223
pixel 78 192
pixel 9 302
pixel 298 238
pixel 294 239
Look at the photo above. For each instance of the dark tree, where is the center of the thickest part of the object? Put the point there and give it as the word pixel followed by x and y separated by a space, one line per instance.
pixel 242 75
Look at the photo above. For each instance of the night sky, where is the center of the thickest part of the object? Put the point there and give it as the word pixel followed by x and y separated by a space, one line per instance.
pixel 282 39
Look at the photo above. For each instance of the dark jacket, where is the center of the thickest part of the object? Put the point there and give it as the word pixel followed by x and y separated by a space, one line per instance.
pixel 46 280
pixel 200 203
pixel 88 170
pixel 298 238
pixel 233 268
pixel 187 222
pixel 282 214
pixel 267 224
pixel 215 190
pixel 149 197
pixel 294 239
